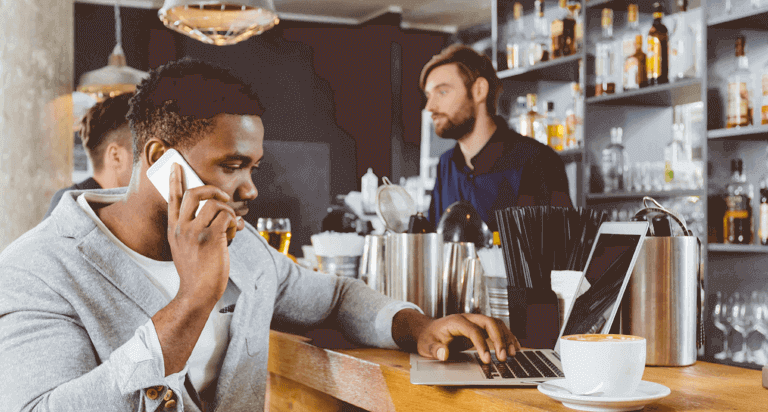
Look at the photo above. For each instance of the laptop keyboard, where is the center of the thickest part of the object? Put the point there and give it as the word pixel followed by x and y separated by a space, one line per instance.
pixel 525 364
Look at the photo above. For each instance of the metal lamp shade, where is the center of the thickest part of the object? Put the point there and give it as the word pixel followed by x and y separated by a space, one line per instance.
pixel 111 80
pixel 219 23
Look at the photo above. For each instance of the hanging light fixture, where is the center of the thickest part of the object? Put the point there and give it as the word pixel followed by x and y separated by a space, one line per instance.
pixel 116 77
pixel 219 23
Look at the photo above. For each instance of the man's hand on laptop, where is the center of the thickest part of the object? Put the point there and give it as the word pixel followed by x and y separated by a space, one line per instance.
pixel 438 338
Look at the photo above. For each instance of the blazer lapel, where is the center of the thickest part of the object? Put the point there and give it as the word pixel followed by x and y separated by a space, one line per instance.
pixel 115 265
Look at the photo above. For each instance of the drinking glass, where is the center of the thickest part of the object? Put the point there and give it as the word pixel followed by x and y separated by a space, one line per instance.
pixel 756 335
pixel 277 232
pixel 740 321
pixel 719 318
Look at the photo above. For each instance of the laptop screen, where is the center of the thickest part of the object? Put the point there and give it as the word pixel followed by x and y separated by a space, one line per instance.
pixel 607 269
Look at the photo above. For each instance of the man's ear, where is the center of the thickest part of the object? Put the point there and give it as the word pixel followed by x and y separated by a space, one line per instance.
pixel 153 150
pixel 480 90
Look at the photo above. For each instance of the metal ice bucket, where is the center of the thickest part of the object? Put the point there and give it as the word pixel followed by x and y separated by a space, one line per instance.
pixel 662 299
pixel 414 263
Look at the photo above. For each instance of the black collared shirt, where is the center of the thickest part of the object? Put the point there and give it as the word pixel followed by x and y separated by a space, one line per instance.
pixel 510 170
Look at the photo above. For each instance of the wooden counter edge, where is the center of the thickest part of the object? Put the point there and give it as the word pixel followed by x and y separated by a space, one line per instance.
pixel 382 386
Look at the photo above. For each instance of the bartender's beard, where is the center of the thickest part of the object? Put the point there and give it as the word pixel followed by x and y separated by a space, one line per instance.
pixel 458 125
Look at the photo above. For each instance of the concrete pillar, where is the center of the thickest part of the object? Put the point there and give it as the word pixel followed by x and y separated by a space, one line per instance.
pixel 36 70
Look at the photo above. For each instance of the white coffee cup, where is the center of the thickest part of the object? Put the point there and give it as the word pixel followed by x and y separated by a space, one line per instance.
pixel 612 365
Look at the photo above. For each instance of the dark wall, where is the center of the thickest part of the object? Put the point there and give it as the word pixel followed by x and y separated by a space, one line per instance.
pixel 320 83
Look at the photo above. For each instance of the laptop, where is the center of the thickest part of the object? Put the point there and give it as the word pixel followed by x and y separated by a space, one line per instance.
pixel 608 268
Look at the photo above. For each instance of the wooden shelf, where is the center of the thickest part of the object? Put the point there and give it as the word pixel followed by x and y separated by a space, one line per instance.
pixel 723 248
pixel 685 91
pixel 565 69
pixel 743 19
pixel 618 197
pixel 759 132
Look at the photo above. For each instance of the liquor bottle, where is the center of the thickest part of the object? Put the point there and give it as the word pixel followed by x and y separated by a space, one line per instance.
pixel 605 67
pixel 763 232
pixel 538 50
pixel 675 159
pixel 630 33
pixel 531 121
pixel 737 222
pixel 563 32
pixel 682 45
pixel 519 109
pixel 555 129
pixel 764 87
pixel 369 184
pixel 739 112
pixel 634 67
pixel 657 57
pixel 574 125
pixel 578 36
pixel 516 39
pixel 615 163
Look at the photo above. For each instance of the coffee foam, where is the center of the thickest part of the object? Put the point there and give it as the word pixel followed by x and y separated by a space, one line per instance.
pixel 603 338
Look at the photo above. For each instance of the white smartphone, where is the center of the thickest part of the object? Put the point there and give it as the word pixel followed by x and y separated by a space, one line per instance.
pixel 160 172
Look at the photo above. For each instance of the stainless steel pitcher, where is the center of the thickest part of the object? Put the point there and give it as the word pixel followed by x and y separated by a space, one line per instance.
pixel 454 276
pixel 413 270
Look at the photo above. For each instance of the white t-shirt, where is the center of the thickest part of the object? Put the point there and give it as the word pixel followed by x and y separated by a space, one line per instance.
pixel 204 363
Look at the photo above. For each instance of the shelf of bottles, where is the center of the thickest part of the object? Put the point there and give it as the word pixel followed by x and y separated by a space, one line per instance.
pixel 620 196
pixel 541 62
pixel 759 132
pixel 663 95
pixel 741 14
pixel 723 248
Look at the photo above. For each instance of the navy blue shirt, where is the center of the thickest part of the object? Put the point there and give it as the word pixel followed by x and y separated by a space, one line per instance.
pixel 510 170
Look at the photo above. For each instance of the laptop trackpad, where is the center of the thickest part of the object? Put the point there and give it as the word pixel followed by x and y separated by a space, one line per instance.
pixel 449 366
pixel 459 365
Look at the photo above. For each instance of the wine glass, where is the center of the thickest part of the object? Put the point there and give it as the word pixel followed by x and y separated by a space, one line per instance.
pixel 719 318
pixel 277 232
pixel 740 320
pixel 758 331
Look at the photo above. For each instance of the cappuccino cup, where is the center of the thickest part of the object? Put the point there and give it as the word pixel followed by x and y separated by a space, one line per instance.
pixel 604 365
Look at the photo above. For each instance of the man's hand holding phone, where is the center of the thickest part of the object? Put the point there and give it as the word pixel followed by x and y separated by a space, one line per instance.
pixel 199 238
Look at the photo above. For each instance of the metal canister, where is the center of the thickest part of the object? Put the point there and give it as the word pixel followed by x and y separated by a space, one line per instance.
pixel 373 265
pixel 414 264
pixel 661 299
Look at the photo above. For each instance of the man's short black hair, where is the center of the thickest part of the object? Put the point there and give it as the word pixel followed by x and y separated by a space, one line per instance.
pixel 178 101
pixel 98 124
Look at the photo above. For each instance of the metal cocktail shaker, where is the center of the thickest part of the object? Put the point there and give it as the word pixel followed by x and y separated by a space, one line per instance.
pixel 413 269
pixel 373 264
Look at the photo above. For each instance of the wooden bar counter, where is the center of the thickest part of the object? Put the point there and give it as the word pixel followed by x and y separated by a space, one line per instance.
pixel 304 377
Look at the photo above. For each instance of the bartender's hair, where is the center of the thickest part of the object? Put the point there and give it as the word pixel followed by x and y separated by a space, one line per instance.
pixel 472 65
pixel 178 101
pixel 98 124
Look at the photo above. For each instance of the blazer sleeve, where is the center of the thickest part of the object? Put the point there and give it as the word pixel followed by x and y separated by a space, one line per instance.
pixel 48 362
pixel 307 299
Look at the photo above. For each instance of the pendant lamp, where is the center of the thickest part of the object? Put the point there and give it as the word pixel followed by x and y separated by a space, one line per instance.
pixel 219 23
pixel 116 77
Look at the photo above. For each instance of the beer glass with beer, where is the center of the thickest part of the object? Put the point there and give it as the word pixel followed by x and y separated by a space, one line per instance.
pixel 277 232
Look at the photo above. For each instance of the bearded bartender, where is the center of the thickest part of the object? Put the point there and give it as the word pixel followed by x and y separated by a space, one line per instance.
pixel 491 166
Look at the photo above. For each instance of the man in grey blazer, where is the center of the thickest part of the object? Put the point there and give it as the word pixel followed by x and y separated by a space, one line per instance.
pixel 123 301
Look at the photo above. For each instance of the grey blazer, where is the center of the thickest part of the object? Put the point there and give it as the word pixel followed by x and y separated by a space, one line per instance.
pixel 71 301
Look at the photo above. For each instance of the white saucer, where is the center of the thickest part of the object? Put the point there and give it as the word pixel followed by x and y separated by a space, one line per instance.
pixel 645 394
